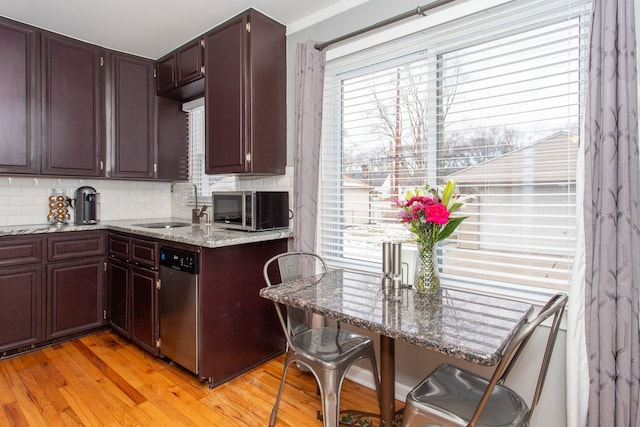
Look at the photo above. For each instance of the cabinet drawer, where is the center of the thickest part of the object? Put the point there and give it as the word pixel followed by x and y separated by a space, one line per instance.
pixel 145 253
pixel 76 245
pixel 20 251
pixel 119 247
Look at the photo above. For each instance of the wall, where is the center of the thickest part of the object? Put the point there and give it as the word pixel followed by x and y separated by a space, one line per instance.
pixel 182 193
pixel 413 363
pixel 25 200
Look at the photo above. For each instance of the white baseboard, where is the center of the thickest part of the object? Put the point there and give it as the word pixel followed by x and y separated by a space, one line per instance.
pixel 365 378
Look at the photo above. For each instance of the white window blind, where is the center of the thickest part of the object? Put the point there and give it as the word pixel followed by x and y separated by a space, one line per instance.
pixel 196 155
pixel 493 101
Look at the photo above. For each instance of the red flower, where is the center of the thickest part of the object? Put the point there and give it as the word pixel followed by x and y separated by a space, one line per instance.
pixel 437 214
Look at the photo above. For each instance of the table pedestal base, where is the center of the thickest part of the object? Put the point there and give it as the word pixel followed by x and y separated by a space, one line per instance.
pixel 387 380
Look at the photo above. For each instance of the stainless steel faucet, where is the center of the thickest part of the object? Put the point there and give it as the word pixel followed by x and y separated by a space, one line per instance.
pixel 195 213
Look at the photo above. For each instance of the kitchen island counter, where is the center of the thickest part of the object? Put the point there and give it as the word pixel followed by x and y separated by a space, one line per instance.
pixel 202 235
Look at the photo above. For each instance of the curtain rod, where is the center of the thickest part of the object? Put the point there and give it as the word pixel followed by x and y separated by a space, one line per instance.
pixel 420 10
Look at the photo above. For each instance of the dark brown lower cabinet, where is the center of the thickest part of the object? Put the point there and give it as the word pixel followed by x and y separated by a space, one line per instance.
pixel 118 298
pixel 51 287
pixel 75 297
pixel 132 290
pixel 238 329
pixel 144 308
pixel 21 301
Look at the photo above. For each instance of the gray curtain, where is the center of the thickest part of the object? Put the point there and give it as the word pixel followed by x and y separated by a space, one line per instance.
pixel 611 219
pixel 308 125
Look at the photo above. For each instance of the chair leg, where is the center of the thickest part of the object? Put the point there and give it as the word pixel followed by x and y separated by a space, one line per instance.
pixel 376 379
pixel 330 395
pixel 274 412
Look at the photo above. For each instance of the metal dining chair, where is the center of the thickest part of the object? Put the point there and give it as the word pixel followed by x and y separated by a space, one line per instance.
pixel 451 396
pixel 326 352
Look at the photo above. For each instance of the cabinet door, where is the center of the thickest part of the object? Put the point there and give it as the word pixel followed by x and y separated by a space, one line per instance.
pixel 144 309
pixel 72 103
pixel 172 140
pixel 267 74
pixel 132 107
pixel 75 296
pixel 21 320
pixel 18 106
pixel 225 92
pixel 189 62
pixel 245 96
pixel 118 296
pixel 166 73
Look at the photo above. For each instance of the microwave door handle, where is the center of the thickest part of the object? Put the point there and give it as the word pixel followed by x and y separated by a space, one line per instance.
pixel 243 214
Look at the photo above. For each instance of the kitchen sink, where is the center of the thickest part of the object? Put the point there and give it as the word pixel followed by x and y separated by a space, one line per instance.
pixel 166 224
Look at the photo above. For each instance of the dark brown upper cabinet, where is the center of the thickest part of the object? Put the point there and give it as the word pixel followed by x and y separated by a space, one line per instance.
pixel 180 73
pixel 245 101
pixel 166 74
pixel 72 107
pixel 18 95
pixel 171 140
pixel 131 109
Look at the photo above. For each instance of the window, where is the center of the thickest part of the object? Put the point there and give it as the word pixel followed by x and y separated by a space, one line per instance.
pixel 491 100
pixel 195 118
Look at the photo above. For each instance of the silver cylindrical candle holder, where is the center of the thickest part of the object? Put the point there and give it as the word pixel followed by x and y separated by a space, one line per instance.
pixel 396 259
pixel 396 250
pixel 387 259
pixel 387 267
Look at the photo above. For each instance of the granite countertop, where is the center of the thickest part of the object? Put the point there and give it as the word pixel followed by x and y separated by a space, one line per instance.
pixel 201 235
pixel 462 324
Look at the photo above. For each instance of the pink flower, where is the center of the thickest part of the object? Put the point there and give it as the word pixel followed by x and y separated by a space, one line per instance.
pixel 404 216
pixel 422 200
pixel 437 214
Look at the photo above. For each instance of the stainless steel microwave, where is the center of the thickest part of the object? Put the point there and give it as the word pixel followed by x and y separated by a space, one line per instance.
pixel 250 210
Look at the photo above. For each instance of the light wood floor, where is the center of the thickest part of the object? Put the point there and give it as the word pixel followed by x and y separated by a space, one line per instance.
pixel 104 380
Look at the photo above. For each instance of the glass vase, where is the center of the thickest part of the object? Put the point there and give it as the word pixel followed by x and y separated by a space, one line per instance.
pixel 427 279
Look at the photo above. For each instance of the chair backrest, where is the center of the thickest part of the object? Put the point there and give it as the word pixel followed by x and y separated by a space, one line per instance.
pixel 293 266
pixel 554 307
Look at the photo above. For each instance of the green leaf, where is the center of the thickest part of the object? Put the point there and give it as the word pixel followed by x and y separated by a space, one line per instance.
pixel 450 228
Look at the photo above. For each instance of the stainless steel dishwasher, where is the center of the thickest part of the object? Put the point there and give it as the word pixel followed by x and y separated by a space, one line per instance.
pixel 179 307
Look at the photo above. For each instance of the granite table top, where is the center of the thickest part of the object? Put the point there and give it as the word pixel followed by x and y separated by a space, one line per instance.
pixel 202 235
pixel 458 323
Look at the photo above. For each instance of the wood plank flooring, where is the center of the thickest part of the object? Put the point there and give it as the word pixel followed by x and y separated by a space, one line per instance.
pixel 104 380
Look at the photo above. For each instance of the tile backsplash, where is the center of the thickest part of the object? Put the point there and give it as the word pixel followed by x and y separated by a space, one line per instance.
pixel 24 200
pixel 182 193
